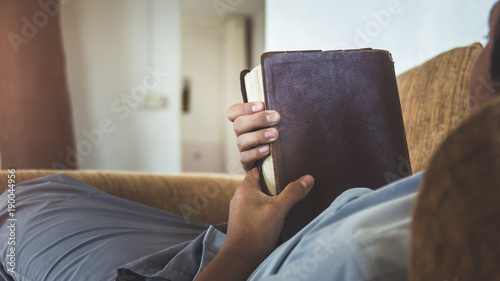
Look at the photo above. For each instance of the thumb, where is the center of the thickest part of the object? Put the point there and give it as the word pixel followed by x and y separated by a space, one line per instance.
pixel 295 191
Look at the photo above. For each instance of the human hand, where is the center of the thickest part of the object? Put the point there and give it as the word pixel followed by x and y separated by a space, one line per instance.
pixel 256 219
pixel 255 223
pixel 251 124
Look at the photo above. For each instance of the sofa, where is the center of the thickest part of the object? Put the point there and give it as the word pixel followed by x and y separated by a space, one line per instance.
pixel 434 101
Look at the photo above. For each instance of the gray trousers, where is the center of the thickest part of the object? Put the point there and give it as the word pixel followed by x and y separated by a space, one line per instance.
pixel 64 229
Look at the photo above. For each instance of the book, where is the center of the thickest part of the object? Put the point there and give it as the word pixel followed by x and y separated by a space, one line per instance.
pixel 340 121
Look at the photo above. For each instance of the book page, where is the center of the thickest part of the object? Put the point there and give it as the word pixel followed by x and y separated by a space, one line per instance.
pixel 255 92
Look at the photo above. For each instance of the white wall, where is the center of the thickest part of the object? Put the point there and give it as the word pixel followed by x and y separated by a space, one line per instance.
pixel 258 23
pixel 234 62
pixel 112 48
pixel 214 53
pixel 203 64
pixel 413 31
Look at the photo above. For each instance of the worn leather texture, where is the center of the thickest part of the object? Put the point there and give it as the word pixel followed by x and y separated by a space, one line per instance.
pixel 242 84
pixel 341 122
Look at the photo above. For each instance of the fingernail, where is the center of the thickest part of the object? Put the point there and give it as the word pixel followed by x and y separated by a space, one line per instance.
pixel 264 149
pixel 257 107
pixel 272 118
pixel 307 181
pixel 270 134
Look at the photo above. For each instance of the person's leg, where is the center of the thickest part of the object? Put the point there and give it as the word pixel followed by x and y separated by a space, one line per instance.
pixel 64 229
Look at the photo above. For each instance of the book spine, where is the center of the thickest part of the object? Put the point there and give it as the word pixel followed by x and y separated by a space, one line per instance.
pixel 275 151
pixel 243 88
pixel 242 85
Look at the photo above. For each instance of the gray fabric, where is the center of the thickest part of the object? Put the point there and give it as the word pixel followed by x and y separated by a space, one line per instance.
pixel 363 235
pixel 180 262
pixel 68 230
pixel 4 276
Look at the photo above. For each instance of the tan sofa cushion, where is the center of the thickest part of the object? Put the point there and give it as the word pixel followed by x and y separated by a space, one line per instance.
pixel 202 197
pixel 434 100
pixel 456 225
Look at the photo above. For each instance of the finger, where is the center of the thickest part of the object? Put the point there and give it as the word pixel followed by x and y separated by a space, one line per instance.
pixel 249 157
pixel 294 192
pixel 252 179
pixel 240 109
pixel 249 183
pixel 253 139
pixel 248 123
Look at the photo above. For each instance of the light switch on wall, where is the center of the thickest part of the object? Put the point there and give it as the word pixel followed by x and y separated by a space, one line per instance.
pixel 153 101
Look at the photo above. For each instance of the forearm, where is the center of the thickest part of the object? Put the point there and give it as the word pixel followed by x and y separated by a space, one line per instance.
pixel 254 226
pixel 229 264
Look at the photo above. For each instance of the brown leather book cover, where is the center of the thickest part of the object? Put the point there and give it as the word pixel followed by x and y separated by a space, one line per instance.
pixel 341 122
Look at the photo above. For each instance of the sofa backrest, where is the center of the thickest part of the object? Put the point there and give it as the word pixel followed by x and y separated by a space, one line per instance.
pixel 434 100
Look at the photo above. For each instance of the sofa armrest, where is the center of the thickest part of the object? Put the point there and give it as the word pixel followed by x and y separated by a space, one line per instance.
pixel 455 226
pixel 201 197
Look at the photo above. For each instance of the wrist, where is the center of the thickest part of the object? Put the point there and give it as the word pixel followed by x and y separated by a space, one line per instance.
pixel 230 264
pixel 239 257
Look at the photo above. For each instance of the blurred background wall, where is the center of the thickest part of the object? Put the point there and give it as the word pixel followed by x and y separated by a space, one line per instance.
pixel 413 31
pixel 148 82
pixel 36 125
pixel 124 60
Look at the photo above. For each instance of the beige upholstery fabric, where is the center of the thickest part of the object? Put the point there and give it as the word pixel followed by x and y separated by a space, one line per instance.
pixel 434 100
pixel 202 197
pixel 456 225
